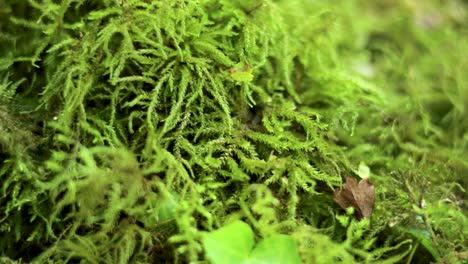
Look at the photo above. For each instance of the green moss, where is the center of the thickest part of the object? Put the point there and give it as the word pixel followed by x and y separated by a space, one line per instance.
pixel 129 128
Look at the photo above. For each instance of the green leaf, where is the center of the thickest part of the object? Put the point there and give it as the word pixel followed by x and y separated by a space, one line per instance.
pixel 241 73
pixel 424 237
pixel 167 207
pixel 229 244
pixel 363 171
pixel 281 249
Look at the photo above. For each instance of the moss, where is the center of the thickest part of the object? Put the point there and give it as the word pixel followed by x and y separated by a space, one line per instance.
pixel 250 109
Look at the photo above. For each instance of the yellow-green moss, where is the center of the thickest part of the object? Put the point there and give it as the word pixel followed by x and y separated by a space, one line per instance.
pixel 246 109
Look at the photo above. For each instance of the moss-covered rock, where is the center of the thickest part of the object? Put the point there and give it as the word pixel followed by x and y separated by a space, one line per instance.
pixel 130 128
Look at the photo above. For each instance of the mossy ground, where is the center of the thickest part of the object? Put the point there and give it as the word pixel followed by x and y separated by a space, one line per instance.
pixel 129 128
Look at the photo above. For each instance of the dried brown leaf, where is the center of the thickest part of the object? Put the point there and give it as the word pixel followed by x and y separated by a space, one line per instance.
pixel 360 196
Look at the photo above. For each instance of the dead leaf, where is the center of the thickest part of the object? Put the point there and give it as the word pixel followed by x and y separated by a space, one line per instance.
pixel 360 196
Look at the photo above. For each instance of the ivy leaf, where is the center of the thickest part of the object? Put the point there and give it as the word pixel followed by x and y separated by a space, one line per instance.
pixel 360 196
pixel 230 244
pixel 281 249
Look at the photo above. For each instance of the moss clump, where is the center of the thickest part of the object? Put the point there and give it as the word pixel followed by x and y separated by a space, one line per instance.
pixel 129 128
